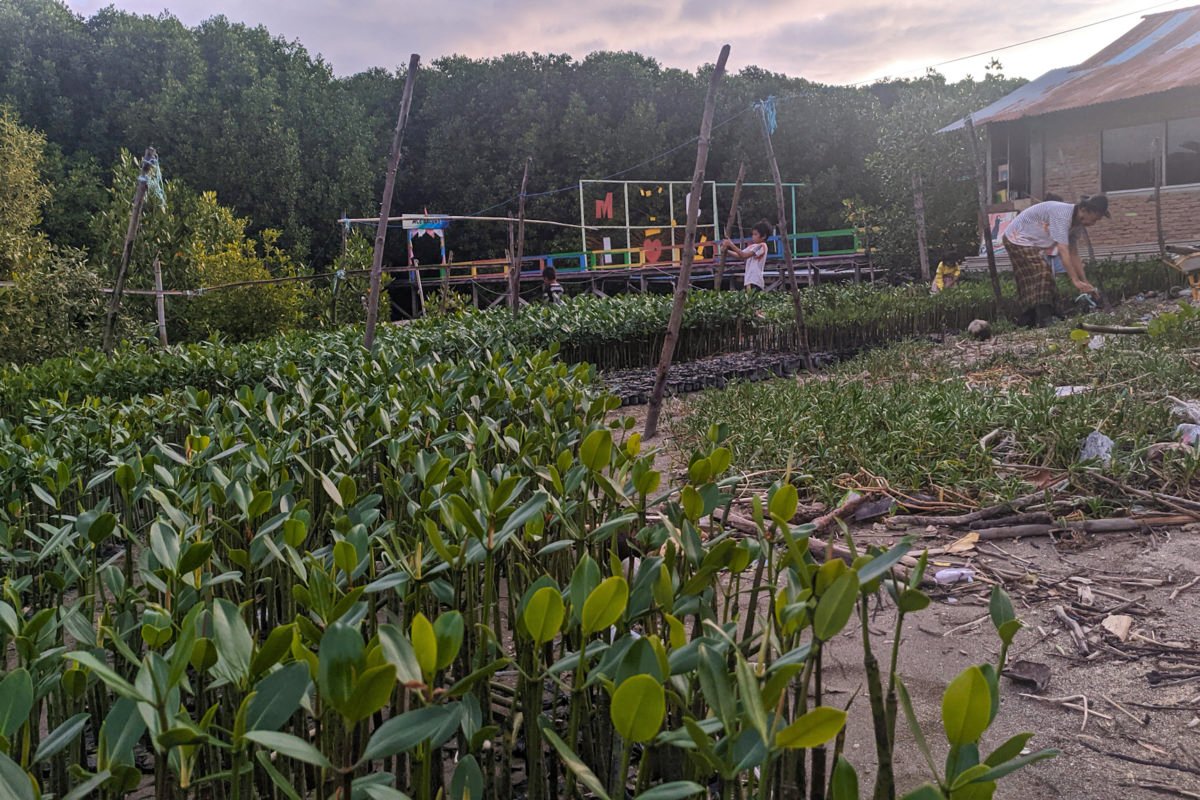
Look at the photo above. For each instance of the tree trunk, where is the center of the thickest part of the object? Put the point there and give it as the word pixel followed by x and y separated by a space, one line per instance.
pixel 514 278
pixel 149 159
pixel 689 248
pixel 385 205
pixel 984 228
pixel 160 303
pixel 919 212
pixel 793 287
pixel 733 215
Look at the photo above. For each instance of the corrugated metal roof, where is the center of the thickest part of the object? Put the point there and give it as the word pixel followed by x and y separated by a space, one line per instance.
pixel 1160 54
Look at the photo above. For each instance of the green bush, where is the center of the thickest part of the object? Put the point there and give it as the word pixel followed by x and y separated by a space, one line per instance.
pixel 55 307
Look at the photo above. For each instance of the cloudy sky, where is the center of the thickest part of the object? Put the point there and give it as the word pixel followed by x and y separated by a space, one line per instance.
pixel 834 41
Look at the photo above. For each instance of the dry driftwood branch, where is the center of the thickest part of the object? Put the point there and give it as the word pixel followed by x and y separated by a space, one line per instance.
pixel 1073 628
pixel 963 520
pixel 1119 329
pixel 1115 525
pixel 1095 745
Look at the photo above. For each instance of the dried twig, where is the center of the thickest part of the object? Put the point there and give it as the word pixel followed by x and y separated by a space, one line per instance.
pixel 1073 627
pixel 1185 587
pixel 1094 744
pixel 1069 702
pixel 975 516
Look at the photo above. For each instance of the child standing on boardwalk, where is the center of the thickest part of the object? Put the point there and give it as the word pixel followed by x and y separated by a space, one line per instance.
pixel 754 254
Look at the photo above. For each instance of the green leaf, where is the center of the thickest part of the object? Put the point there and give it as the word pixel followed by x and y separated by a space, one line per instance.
pixel 195 556
pixel 596 450
pixel 290 746
pixel 399 652
pixel 108 675
pixel 331 490
pixel 281 783
pixel 638 708
pixel 233 641
pixel 467 781
pixel 404 732
pixel 966 707
pixel 605 605
pixel 544 615
pixel 914 725
pixel 16 701
pixel 692 502
pixel 912 600
pixel 1000 607
pixel 85 789
pixel 784 502
pixel 341 654
pixel 60 737
pixel 813 729
pixel 1009 750
pixel 448 630
pixel 751 696
pixel 276 697
pixel 926 792
pixel 14 782
pixel 676 790
pixel 1000 770
pixel 879 566
pixel 1008 631
pixel 530 509
pixel 425 646
pixel 835 606
pixel 277 645
pixel 372 691
pixel 844 785
pixel 573 762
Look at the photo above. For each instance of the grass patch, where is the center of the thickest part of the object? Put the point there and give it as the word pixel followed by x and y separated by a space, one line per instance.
pixel 914 413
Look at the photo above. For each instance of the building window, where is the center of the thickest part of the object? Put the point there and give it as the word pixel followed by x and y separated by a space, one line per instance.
pixel 1127 157
pixel 1183 151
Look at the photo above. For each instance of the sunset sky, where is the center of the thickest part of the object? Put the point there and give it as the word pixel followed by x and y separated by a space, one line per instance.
pixel 831 42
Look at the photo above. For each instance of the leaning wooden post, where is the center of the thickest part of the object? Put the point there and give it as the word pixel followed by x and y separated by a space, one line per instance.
pixel 149 160
pixel 919 212
pixel 984 228
pixel 160 303
pixel 732 218
pixel 793 287
pixel 689 248
pixel 385 205
pixel 514 278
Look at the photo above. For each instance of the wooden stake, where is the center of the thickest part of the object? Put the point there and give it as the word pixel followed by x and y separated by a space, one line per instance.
pixel 514 278
pixel 984 228
pixel 385 205
pixel 160 303
pixel 689 248
pixel 733 216
pixel 793 287
pixel 1158 176
pixel 919 212
pixel 149 159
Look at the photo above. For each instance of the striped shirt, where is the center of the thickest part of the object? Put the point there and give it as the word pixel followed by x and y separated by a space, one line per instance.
pixel 1043 225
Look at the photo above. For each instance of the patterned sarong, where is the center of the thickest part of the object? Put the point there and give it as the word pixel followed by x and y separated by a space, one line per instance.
pixel 1035 279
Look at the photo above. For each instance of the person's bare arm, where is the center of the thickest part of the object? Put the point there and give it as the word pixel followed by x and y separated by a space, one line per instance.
pixel 737 251
pixel 1074 267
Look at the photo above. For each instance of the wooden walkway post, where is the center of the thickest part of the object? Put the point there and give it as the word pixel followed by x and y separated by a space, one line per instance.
pixel 1158 178
pixel 689 247
pixel 919 212
pixel 160 303
pixel 984 227
pixel 149 160
pixel 514 278
pixel 793 286
pixel 385 205
pixel 733 215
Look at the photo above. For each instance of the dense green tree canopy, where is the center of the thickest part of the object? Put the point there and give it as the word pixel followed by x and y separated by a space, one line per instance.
pixel 285 143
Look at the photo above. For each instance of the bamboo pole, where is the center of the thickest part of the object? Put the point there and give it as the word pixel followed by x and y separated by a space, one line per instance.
pixel 160 303
pixel 984 228
pixel 149 159
pixel 514 278
pixel 385 205
pixel 793 287
pixel 733 216
pixel 689 248
pixel 919 213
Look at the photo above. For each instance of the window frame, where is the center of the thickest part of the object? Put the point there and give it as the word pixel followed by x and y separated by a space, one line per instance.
pixel 1164 125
